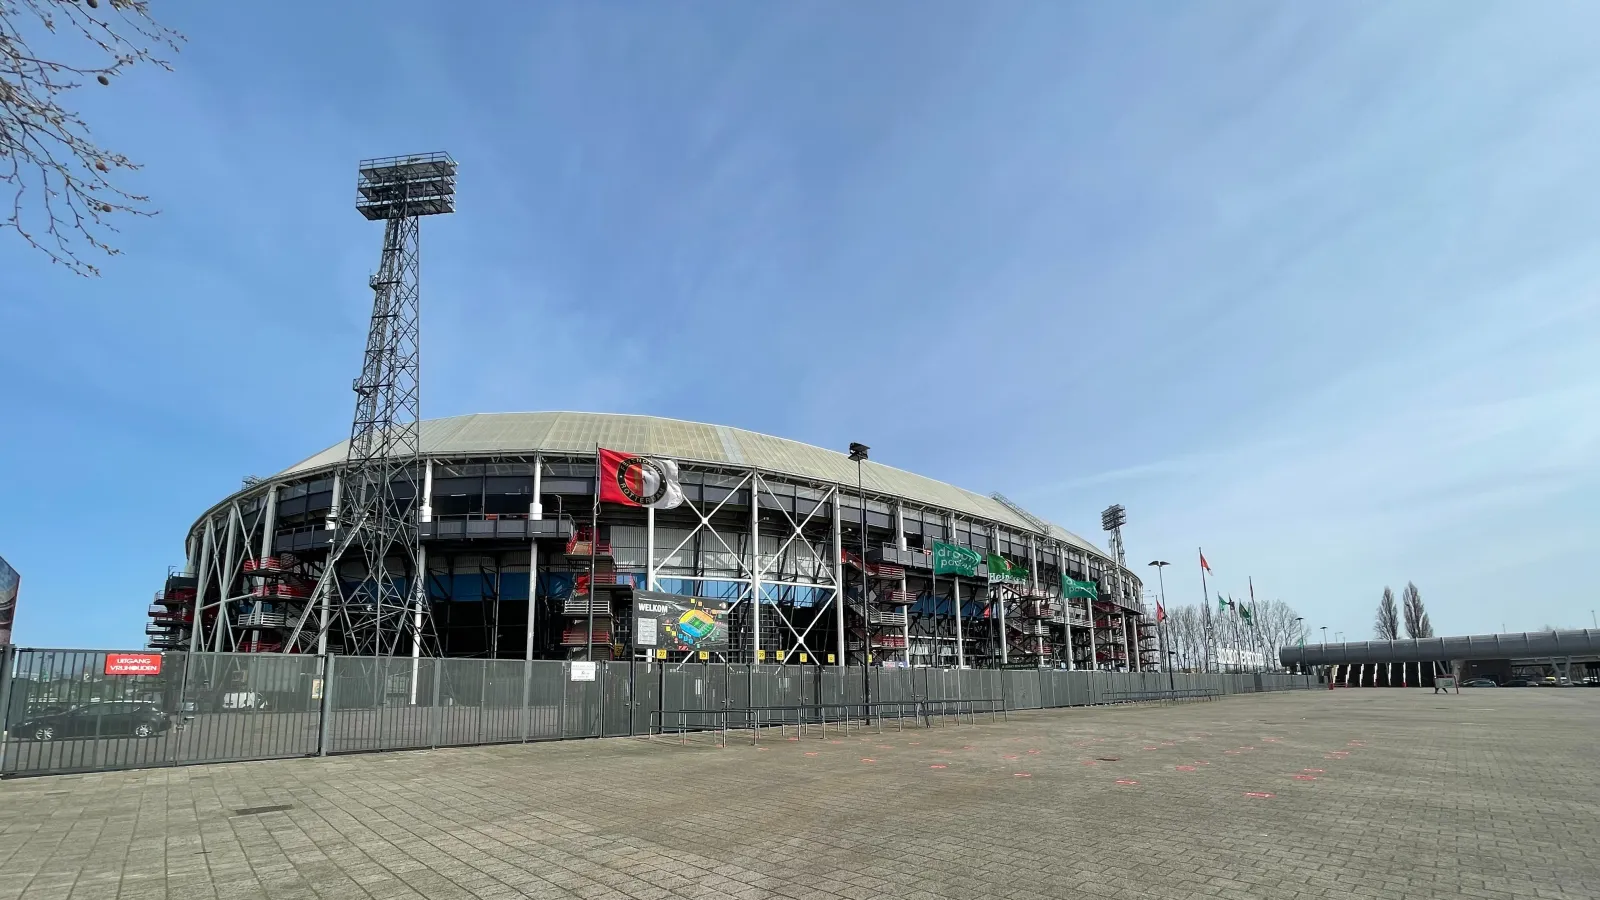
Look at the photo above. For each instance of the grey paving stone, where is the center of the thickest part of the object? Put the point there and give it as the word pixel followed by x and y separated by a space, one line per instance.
pixel 1490 794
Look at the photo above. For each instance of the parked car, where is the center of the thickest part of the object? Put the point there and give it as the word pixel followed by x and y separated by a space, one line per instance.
pixel 111 718
pixel 1518 682
pixel 1479 682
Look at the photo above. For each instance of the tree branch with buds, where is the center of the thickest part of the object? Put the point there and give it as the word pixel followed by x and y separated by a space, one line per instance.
pixel 63 199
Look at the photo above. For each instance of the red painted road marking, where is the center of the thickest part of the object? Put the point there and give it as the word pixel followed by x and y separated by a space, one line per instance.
pixel 1034 752
pixel 811 753
pixel 762 749
pixel 1260 795
pixel 794 739
pixel 1022 774
pixel 1152 748
pixel 1126 781
pixel 1201 762
pixel 1305 778
pixel 1184 768
pixel 1313 771
pixel 1010 756
pixel 1090 762
pixel 968 747
pixel 938 766
pixel 868 759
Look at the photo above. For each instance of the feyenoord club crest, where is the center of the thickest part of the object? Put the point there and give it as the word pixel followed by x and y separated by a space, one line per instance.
pixel 639 480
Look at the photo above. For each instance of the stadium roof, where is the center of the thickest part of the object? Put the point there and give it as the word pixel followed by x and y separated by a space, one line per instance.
pixel 576 432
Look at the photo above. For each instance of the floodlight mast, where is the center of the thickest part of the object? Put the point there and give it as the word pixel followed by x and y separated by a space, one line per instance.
pixel 371 596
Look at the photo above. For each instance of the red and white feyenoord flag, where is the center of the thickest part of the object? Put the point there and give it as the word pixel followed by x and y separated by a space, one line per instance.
pixel 639 480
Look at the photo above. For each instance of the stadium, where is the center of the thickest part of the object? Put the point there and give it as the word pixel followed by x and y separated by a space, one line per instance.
pixel 761 533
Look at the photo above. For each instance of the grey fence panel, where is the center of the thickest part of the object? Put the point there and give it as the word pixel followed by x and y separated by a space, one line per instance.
pixel 791 685
pixel 646 695
pixel 1022 689
pixel 383 704
pixel 616 697
pixel 546 684
pixel 1047 689
pixel 239 706
pixel 581 704
pixel 500 711
pixel 458 706
pixel 64 714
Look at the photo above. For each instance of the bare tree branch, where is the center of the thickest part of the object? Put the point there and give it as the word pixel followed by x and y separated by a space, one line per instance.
pixel 1417 623
pixel 62 195
pixel 1387 624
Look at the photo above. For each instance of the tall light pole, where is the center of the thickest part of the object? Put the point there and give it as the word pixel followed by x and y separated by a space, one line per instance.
pixel 1161 626
pixel 1324 634
pixel 1300 635
pixel 858 452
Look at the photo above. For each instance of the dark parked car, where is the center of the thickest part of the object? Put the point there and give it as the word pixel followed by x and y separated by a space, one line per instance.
pixel 112 718
pixel 1479 682
pixel 1518 682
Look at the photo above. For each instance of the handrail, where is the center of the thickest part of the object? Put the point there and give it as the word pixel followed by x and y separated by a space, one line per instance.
pixel 657 722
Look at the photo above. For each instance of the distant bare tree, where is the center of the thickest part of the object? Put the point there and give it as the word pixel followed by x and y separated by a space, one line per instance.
pixel 1417 624
pixel 1186 637
pixel 1387 625
pixel 60 179
pixel 1280 625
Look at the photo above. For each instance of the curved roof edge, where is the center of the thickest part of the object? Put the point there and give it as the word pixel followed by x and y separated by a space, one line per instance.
pixel 580 433
pixel 1576 642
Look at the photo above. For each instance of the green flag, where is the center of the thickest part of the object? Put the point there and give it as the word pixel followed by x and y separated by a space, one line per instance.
pixel 1222 605
pixel 1000 570
pixel 1078 589
pixel 1245 614
pixel 949 559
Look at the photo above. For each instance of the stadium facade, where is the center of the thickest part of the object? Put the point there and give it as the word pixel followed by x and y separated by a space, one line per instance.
pixel 508 501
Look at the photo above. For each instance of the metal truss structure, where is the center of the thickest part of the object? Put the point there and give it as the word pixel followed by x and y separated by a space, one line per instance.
pixel 370 590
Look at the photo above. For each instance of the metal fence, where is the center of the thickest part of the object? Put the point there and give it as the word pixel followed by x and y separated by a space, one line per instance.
pixel 63 712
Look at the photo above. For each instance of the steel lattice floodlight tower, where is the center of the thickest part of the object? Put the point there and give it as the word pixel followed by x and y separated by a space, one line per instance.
pixel 377 604
pixel 1112 518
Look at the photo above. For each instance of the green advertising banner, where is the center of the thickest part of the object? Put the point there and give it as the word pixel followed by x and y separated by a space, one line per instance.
pixel 949 559
pixel 1000 570
pixel 1084 589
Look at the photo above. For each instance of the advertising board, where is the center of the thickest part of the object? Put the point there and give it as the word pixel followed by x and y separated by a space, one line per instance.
pixel 679 623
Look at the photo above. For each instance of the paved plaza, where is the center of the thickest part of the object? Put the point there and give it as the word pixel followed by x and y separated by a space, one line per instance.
pixel 1345 794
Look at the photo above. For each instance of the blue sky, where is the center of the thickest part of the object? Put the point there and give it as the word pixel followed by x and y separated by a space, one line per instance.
pixel 1313 286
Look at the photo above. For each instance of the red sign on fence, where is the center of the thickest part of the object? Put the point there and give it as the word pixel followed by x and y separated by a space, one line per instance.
pixel 133 664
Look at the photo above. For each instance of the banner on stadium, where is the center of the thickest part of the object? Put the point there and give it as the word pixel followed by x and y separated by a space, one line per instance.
pixel 1001 570
pixel 633 480
pixel 1078 589
pixel 679 623
pixel 949 559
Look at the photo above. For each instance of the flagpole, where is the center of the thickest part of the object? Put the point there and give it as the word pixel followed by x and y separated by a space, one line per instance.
pixel 1205 609
pixel 1255 627
pixel 594 540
